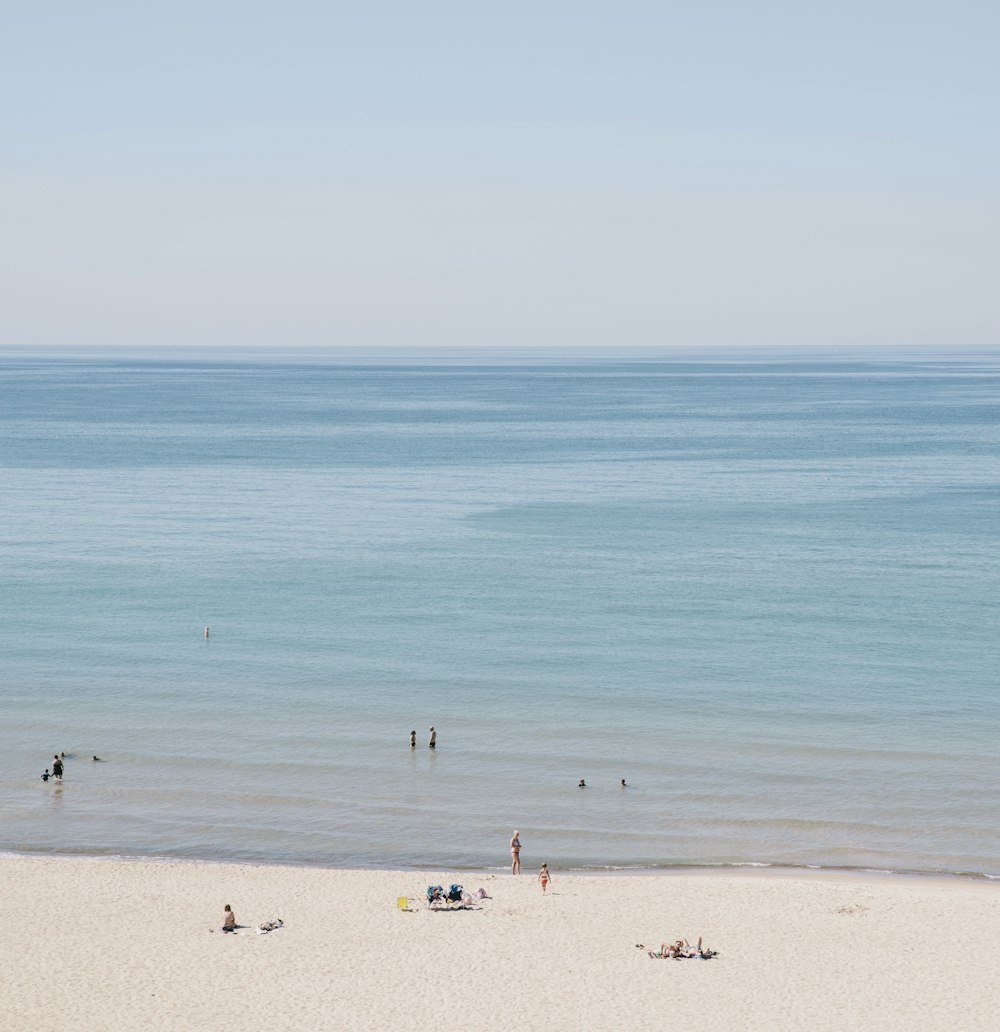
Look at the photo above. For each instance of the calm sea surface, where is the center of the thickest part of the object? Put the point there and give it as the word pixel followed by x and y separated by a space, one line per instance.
pixel 764 592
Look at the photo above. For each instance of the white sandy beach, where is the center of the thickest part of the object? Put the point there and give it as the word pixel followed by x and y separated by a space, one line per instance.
pixel 111 945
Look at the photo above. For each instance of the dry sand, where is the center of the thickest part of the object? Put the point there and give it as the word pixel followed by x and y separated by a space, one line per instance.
pixel 113 946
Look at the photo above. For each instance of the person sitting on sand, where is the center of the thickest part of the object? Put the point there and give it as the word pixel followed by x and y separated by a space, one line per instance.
pixel 228 919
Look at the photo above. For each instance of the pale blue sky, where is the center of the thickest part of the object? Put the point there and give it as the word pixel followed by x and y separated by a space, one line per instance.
pixel 438 174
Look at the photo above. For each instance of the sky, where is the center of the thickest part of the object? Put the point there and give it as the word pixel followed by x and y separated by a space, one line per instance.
pixel 438 174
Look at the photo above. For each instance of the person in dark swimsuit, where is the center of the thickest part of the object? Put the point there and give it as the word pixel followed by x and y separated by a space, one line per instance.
pixel 515 855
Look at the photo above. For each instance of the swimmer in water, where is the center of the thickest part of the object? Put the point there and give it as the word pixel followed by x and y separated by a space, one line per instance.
pixel 413 739
pixel 583 784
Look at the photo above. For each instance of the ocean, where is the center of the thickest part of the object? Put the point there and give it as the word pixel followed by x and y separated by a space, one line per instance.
pixel 762 588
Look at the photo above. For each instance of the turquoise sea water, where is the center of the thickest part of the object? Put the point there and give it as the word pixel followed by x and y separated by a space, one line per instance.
pixel 761 589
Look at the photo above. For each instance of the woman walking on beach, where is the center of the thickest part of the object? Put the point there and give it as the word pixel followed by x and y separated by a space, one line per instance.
pixel 515 854
pixel 544 877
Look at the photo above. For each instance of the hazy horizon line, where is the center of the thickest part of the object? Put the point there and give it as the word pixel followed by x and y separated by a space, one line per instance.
pixel 527 353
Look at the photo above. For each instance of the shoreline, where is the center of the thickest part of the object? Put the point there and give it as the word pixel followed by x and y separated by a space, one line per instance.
pixel 750 868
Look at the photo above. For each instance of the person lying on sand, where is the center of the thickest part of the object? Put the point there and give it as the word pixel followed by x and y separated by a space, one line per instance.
pixel 681 949
pixel 699 951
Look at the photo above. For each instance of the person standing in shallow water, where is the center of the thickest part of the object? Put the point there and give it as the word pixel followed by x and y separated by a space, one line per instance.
pixel 57 768
pixel 432 742
pixel 515 854
pixel 413 739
